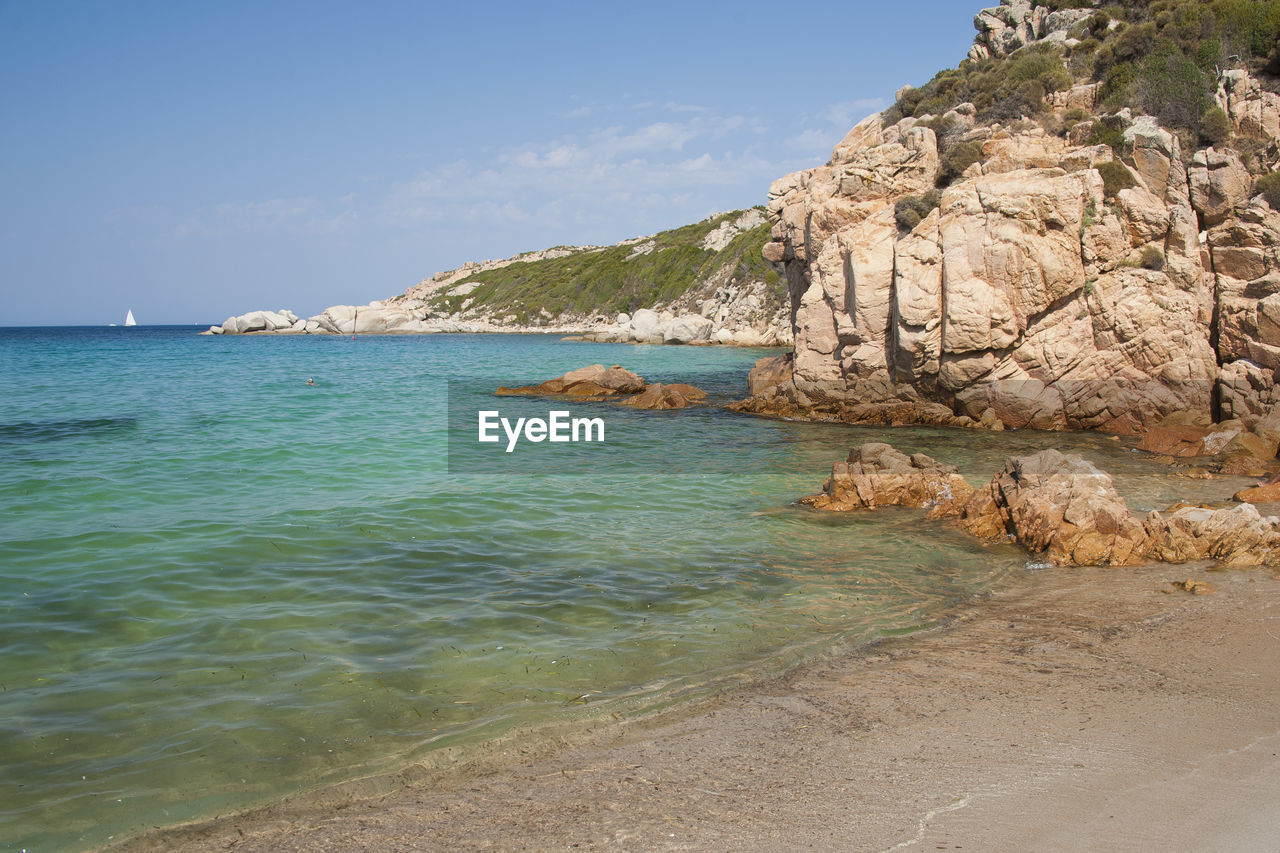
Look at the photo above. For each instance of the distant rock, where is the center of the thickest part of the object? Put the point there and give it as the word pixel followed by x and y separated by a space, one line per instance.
pixel 592 382
pixel 688 329
pixel 722 236
pixel 597 382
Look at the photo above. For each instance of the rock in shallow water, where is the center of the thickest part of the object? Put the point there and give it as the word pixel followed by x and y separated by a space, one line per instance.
pixel 597 382
pixel 876 474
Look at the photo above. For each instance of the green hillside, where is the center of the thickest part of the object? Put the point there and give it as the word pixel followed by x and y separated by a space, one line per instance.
pixel 616 278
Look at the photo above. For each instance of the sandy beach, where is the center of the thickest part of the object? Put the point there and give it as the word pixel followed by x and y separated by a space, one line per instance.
pixel 1076 709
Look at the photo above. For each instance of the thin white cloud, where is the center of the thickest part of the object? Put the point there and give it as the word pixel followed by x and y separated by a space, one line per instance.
pixel 846 114
pixel 299 216
pixel 672 106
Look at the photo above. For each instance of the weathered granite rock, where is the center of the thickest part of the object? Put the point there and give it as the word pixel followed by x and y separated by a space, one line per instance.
pixel 615 378
pixel 1253 110
pixel 1236 535
pixel 1061 506
pixel 1020 293
pixel 597 382
pixel 722 236
pixel 687 329
pixel 769 372
pixel 1057 505
pixel 661 397
pixel 1265 493
pixel 1014 24
pixel 878 475
pixel 1220 185
pixel 1187 440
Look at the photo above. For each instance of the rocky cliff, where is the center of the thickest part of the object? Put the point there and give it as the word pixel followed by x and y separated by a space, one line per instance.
pixel 704 283
pixel 1042 257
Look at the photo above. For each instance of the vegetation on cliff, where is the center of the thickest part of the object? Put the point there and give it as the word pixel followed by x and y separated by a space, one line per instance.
pixel 1159 56
pixel 661 269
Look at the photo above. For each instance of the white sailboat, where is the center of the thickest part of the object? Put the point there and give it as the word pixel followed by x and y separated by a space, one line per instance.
pixel 128 320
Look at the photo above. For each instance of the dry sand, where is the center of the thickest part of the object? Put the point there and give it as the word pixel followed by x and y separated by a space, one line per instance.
pixel 1078 709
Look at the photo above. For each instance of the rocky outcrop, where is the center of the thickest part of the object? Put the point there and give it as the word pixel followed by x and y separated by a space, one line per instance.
pixel 1035 288
pixel 878 475
pixel 720 305
pixel 1014 24
pixel 597 382
pixel 1022 292
pixel 1058 506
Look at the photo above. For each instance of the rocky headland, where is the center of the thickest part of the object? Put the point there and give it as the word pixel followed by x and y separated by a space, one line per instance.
pixel 706 283
pixel 1044 255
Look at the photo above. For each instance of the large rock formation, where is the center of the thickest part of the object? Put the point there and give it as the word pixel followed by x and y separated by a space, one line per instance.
pixel 1016 23
pixel 1032 286
pixel 1023 290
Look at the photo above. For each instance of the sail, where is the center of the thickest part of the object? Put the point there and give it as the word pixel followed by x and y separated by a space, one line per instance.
pixel 128 320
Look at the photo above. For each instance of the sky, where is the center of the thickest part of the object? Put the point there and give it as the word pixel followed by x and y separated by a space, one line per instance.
pixel 194 160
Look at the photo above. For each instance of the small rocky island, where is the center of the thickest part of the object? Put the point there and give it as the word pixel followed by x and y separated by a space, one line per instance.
pixel 597 382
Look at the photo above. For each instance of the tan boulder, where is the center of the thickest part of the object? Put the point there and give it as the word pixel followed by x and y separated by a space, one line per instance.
pixel 614 378
pixel 1263 494
pixel 1058 505
pixel 660 397
pixel 876 474
pixel 592 382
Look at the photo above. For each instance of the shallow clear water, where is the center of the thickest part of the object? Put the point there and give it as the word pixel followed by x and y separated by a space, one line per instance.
pixel 219 585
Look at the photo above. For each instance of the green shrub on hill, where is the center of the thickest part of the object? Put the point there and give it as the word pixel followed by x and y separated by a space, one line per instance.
pixel 1158 56
pixel 1269 186
pixel 614 279
pixel 911 209
pixel 1115 177
pixel 1215 127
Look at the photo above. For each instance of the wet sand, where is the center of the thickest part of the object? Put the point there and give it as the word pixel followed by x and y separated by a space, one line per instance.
pixel 1077 709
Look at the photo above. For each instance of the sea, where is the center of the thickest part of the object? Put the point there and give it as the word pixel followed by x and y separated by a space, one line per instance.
pixel 237 568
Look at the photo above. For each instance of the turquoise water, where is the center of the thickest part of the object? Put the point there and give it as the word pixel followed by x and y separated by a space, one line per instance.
pixel 219 585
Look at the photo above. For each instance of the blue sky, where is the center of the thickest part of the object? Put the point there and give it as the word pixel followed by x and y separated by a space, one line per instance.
pixel 193 160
